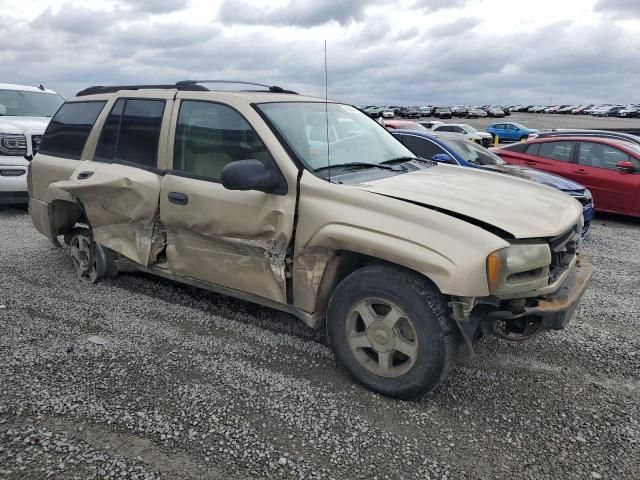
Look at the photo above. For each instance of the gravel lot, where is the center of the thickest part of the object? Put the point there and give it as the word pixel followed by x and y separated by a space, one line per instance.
pixel 140 378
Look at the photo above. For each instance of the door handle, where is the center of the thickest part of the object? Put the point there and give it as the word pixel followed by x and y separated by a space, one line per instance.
pixel 178 198
pixel 581 171
pixel 84 175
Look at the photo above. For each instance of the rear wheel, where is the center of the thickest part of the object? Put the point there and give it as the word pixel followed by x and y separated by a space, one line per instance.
pixel 90 260
pixel 391 331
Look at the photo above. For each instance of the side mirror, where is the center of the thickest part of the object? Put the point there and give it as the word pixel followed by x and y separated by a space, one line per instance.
pixel 442 158
pixel 250 175
pixel 626 166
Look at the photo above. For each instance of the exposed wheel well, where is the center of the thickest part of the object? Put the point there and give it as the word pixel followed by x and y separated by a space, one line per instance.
pixel 342 264
pixel 66 215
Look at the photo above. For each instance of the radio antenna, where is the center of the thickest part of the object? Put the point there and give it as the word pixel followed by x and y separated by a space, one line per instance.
pixel 326 110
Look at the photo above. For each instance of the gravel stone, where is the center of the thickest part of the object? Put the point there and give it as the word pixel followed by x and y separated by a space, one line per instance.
pixel 189 384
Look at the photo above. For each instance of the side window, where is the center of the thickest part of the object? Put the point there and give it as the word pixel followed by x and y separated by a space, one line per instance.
pixel 132 132
pixel 69 129
pixel 106 148
pixel 459 130
pixel 422 147
pixel 532 149
pixel 599 155
pixel 560 151
pixel 517 147
pixel 210 135
pixel 400 138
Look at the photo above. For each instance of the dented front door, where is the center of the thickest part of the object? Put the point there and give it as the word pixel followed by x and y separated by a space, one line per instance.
pixel 235 239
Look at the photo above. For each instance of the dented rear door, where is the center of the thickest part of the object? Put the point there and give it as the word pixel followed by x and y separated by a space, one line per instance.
pixel 235 239
pixel 121 203
pixel 120 189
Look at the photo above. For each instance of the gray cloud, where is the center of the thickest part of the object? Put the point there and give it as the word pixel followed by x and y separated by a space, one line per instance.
pixel 75 20
pixel 439 4
pixel 155 6
pixel 303 13
pixel 374 61
pixel 461 26
pixel 621 8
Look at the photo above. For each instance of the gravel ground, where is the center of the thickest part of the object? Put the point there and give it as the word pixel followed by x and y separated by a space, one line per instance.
pixel 141 378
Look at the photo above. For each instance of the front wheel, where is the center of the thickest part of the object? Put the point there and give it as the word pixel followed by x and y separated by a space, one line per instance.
pixel 390 330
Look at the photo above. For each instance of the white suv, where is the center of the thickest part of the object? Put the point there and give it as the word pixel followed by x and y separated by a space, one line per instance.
pixel 24 115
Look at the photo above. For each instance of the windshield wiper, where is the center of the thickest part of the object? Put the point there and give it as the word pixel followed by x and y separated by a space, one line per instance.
pixel 359 165
pixel 406 159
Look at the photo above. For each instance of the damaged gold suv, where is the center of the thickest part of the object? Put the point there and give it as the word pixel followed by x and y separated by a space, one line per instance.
pixel 313 208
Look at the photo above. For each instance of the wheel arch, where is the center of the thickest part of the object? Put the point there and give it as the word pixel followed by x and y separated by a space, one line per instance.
pixel 329 268
pixel 66 215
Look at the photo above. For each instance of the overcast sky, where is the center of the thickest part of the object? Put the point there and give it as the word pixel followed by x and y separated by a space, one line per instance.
pixel 379 51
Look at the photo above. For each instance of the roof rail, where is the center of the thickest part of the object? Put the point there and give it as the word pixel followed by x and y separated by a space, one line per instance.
pixel 96 89
pixel 270 88
pixel 185 85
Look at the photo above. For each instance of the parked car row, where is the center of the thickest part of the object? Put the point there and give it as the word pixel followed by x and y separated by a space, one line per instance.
pixel 496 132
pixel 499 111
pixel 601 110
pixel 435 111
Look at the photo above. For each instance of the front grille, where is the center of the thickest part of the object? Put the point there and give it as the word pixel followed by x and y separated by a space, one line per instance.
pixel 564 248
pixel 35 143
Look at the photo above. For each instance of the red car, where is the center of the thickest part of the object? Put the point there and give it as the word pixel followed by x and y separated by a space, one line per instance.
pixel 610 168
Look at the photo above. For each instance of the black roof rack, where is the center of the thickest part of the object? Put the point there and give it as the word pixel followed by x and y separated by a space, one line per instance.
pixel 184 85
pixel 96 89
pixel 270 88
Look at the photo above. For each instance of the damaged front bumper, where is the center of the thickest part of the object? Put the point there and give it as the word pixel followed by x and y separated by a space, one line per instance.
pixel 521 319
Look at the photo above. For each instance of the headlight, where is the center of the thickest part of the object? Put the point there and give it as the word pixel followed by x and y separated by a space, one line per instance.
pixel 13 144
pixel 518 268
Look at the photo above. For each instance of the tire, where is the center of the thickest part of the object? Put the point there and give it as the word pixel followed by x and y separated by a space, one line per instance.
pixel 90 265
pixel 523 138
pixel 423 329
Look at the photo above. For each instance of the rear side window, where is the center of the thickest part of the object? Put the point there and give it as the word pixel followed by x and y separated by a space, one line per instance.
pixel 560 151
pixel 517 147
pixel 132 132
pixel 532 149
pixel 69 129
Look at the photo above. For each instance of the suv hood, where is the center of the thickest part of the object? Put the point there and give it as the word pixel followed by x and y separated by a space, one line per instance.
pixel 522 208
pixel 18 125
pixel 538 176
